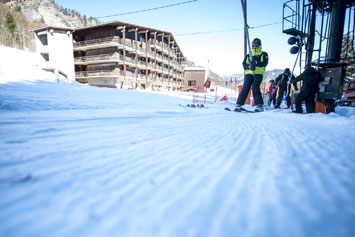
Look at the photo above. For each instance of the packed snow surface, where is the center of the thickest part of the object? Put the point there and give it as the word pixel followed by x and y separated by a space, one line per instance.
pixel 77 160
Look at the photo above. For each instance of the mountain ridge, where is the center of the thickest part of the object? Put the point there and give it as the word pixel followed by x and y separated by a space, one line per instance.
pixel 18 17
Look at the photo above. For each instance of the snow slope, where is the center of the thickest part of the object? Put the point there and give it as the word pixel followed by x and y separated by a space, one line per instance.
pixel 23 66
pixel 84 161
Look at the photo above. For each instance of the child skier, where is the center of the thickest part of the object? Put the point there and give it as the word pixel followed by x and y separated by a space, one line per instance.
pixel 272 93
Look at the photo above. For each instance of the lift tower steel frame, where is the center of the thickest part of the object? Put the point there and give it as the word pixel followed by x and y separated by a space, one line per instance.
pixel 301 21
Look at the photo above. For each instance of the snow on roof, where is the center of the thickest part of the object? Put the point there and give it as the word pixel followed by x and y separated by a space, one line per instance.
pixel 195 69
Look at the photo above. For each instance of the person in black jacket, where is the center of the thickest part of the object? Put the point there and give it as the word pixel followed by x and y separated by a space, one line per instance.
pixel 282 81
pixel 309 89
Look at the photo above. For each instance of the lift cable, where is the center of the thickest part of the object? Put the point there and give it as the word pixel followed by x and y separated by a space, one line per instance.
pixel 219 31
pixel 150 9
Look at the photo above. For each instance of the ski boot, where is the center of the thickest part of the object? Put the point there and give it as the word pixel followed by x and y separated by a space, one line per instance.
pixel 238 108
pixel 259 108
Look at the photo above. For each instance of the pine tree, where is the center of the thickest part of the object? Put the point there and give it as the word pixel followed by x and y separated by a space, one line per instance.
pixel 10 23
pixel 11 28
pixel 85 20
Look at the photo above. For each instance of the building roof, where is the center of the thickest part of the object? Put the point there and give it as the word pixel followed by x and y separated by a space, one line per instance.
pixel 121 23
pixel 51 27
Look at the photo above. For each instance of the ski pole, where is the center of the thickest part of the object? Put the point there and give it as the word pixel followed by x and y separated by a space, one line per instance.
pixel 247 33
pixel 290 76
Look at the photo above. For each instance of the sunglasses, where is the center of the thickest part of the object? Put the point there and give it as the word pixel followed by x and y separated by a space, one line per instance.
pixel 255 44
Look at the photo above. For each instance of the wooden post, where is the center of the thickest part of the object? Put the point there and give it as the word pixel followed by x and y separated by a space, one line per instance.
pixel 124 52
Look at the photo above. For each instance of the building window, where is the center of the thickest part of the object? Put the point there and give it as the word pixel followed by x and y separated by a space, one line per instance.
pixel 101 67
pixel 45 56
pixel 191 83
pixel 43 38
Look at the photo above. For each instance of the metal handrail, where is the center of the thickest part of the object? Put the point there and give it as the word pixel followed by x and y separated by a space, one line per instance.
pixel 99 73
pixel 97 41
pixel 91 58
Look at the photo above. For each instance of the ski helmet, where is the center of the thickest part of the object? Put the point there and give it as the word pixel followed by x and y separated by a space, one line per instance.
pixel 257 40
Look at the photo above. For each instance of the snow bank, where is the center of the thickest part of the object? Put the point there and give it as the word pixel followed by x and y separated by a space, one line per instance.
pixel 18 65
pixel 345 111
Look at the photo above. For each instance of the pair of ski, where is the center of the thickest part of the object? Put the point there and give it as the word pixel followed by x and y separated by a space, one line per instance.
pixel 240 110
pixel 193 105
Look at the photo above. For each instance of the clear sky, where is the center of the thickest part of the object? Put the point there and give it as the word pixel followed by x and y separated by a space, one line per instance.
pixel 223 50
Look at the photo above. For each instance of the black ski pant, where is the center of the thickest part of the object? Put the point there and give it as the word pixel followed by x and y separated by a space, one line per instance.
pixel 308 98
pixel 282 90
pixel 250 80
pixel 272 99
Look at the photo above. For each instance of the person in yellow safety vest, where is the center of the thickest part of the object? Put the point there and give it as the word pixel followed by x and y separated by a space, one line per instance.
pixel 253 75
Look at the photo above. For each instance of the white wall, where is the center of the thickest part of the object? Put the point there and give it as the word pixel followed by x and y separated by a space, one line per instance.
pixel 60 50
pixel 40 48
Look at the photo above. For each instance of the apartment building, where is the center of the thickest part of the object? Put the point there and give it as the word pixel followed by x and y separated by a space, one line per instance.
pixel 129 56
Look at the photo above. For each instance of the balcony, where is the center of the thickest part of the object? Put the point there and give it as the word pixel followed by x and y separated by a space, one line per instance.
pixel 97 59
pixel 141 65
pixel 129 75
pixel 95 77
pixel 130 61
pixel 129 45
pixel 141 77
pixel 98 43
pixel 167 49
pixel 150 66
pixel 108 74
pixel 119 59
pixel 98 74
pixel 157 45
pixel 159 58
pixel 141 50
pixel 158 81
pixel 166 60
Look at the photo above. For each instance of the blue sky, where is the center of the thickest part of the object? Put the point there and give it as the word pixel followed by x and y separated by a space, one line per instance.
pixel 224 51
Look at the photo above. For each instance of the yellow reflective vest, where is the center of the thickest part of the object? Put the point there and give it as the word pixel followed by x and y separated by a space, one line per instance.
pixel 261 58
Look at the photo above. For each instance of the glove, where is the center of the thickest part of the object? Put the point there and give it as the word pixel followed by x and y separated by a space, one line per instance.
pixel 252 65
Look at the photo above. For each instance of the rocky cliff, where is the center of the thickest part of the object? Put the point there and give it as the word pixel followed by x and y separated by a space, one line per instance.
pixel 18 17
